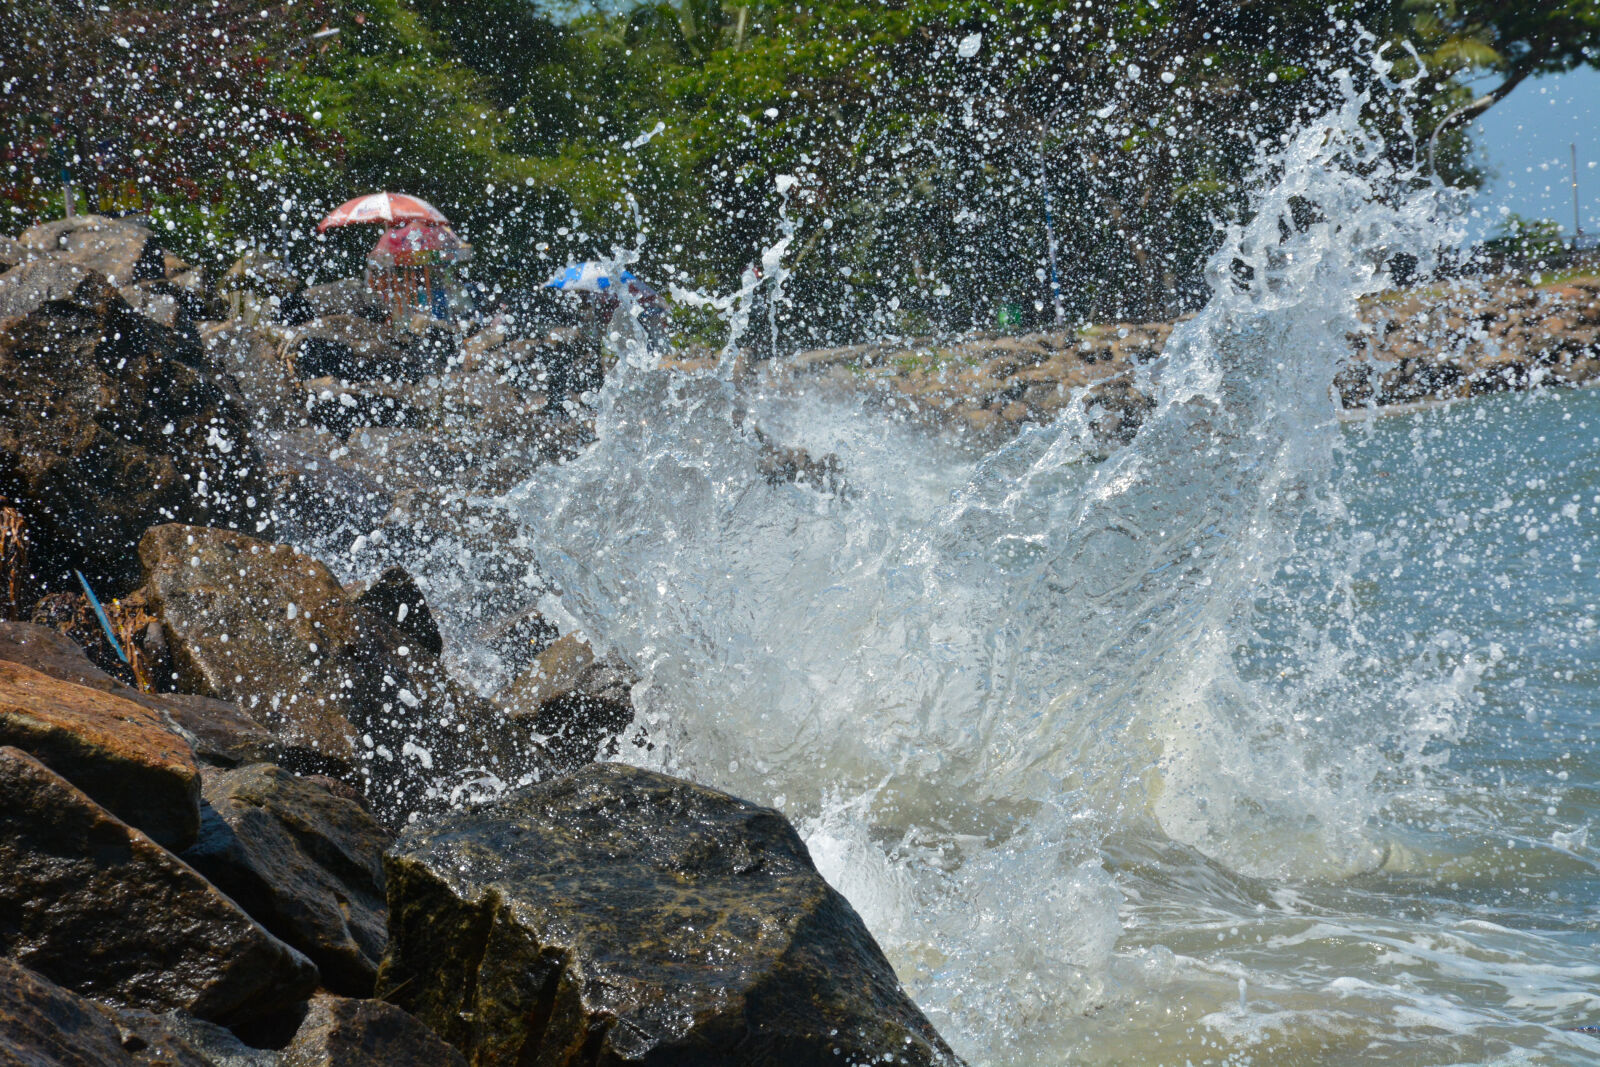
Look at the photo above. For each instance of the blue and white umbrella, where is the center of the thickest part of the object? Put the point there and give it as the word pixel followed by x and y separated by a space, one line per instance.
pixel 600 278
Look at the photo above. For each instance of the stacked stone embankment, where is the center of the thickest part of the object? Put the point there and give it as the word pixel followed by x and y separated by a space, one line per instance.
pixel 1446 342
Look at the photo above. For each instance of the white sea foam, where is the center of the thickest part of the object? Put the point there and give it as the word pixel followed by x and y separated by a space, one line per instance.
pixel 960 676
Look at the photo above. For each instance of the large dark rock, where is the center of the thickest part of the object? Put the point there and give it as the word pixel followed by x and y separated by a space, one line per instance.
pixel 305 863
pixel 43 1025
pixel 95 905
pixel 120 753
pixel 339 675
pixel 217 732
pixel 108 425
pixel 340 1032
pixel 617 916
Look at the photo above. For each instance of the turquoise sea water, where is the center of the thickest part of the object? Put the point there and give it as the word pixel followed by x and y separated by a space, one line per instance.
pixel 1473 937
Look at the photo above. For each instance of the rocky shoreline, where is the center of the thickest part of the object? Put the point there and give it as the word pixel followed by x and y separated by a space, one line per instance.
pixel 253 818
pixel 259 815
pixel 1418 346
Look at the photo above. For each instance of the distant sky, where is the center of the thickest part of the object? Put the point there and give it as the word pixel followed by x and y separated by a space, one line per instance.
pixel 1523 145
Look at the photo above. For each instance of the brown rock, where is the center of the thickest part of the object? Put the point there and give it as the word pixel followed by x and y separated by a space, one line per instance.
pixel 572 701
pixel 217 731
pixel 306 864
pixel 118 752
pixel 258 624
pixel 13 252
pixel 159 307
pixel 255 272
pixel 339 1032
pixel 272 629
pixel 95 905
pixel 121 249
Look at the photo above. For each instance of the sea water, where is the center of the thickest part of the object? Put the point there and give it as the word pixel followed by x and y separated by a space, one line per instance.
pixel 1261 740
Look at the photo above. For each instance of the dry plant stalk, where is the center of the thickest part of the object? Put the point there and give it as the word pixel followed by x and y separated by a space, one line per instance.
pixel 128 621
pixel 13 561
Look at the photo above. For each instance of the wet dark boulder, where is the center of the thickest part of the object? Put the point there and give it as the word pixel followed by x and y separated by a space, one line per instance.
pixel 341 1032
pixel 41 1023
pixel 96 906
pixel 618 916
pixel 108 425
pixel 510 641
pixel 305 863
pixel 45 1025
pixel 308 467
pixel 120 753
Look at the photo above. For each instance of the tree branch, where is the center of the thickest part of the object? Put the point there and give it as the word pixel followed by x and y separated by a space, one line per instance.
pixel 1471 110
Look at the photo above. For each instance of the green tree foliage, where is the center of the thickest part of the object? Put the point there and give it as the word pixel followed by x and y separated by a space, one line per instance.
pixel 1511 41
pixel 140 103
pixel 922 135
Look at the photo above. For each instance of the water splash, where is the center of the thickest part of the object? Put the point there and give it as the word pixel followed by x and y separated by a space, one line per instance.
pixel 964 675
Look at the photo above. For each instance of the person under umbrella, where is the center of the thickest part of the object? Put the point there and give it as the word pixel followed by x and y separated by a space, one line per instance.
pixel 417 243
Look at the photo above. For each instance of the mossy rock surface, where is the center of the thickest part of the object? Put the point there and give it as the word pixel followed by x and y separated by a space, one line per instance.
pixel 618 916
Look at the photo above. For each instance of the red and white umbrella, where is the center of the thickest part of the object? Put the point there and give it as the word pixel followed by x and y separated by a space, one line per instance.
pixel 388 208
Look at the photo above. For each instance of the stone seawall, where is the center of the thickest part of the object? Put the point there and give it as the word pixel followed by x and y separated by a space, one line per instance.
pixel 1426 344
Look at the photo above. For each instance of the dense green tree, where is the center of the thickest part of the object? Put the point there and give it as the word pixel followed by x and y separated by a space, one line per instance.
pixel 923 137
pixel 1510 41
